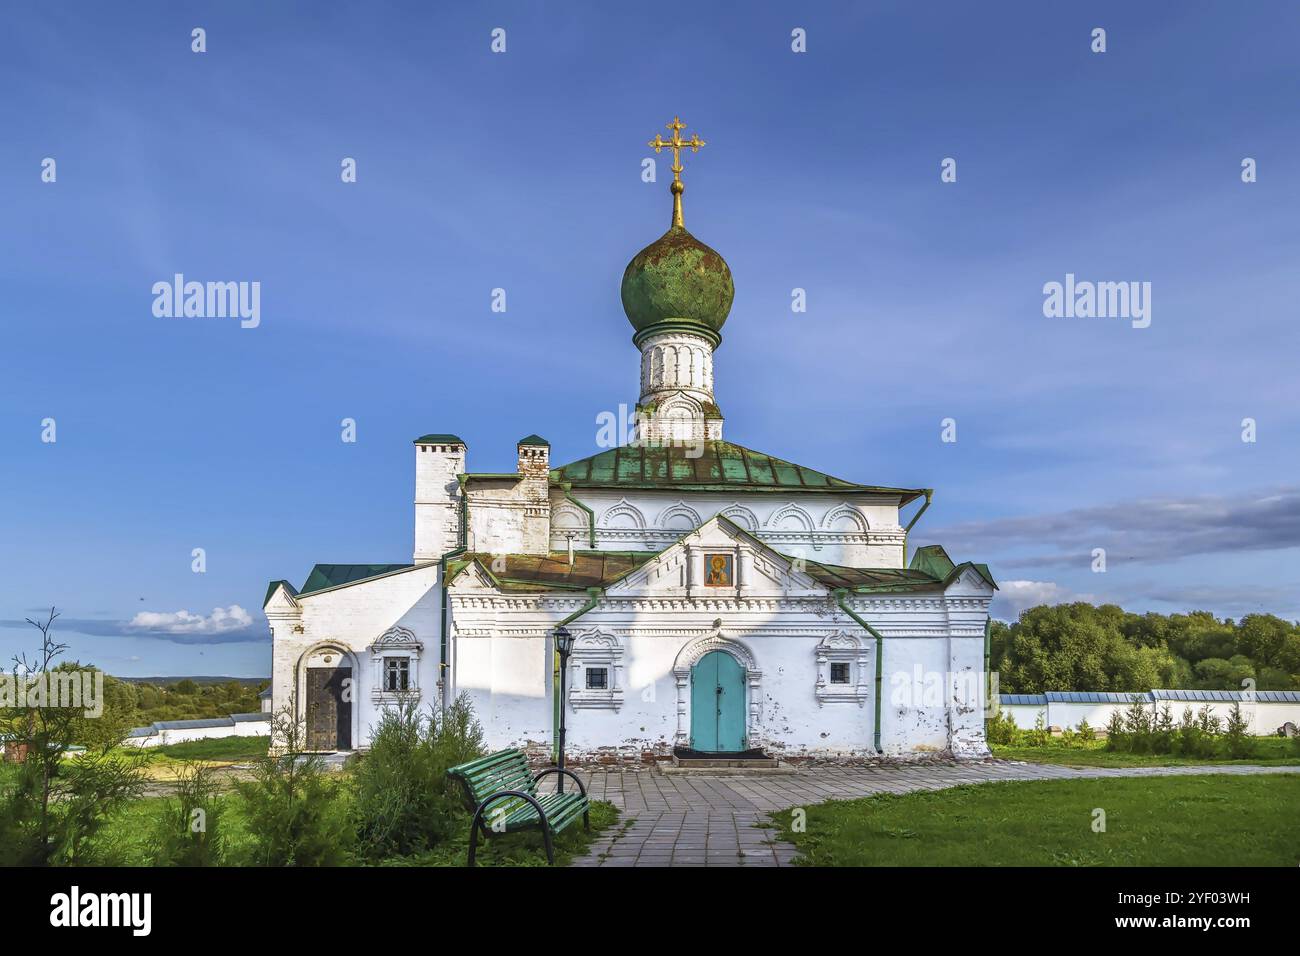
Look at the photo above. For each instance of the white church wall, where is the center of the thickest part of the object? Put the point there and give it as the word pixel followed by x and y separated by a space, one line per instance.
pixel 851 530
pixel 350 619
pixel 503 653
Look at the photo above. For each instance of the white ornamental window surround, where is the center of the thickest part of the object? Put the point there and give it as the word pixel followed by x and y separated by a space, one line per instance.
pixel 844 670
pixel 596 651
pixel 395 651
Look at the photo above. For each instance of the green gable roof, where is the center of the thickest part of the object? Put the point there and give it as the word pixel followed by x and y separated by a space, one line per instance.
pixel 719 465
pixel 325 576
pixel 270 589
pixel 534 440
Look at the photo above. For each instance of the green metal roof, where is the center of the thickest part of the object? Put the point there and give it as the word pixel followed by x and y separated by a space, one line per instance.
pixel 934 560
pixel 550 572
pixel 719 465
pixel 270 589
pixel 332 575
pixel 534 440
pixel 926 573
pixel 438 439
pixel 835 576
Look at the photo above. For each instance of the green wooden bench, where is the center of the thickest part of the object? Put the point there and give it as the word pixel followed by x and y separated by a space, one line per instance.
pixel 503 783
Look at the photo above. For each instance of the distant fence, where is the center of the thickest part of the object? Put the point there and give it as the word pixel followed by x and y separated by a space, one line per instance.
pixel 1264 710
pixel 165 732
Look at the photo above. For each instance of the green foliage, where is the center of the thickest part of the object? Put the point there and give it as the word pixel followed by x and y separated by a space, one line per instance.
pixel 405 804
pixel 297 813
pixel 1139 730
pixel 1237 735
pixel 1269 751
pixel 1083 647
pixel 189 700
pixel 187 831
pixel 1001 729
pixel 53 808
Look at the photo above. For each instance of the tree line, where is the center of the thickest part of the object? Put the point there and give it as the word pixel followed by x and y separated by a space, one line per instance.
pixel 1083 647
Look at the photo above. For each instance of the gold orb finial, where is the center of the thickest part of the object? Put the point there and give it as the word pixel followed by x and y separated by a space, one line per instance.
pixel 677 144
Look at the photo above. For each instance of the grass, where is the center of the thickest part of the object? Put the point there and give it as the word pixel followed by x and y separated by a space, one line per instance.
pixel 1269 751
pixel 129 831
pixel 1210 820
pixel 231 749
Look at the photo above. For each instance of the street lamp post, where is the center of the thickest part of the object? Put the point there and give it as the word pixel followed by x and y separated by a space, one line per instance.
pixel 563 645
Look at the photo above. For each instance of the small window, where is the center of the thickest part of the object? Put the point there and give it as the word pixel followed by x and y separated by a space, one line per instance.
pixel 839 673
pixel 397 674
pixel 597 678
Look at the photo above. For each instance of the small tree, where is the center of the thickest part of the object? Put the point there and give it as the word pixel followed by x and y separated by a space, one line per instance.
pixel 188 829
pixel 297 815
pixel 405 802
pixel 54 811
pixel 1086 734
pixel 1237 735
pixel 1001 729
pixel 1116 736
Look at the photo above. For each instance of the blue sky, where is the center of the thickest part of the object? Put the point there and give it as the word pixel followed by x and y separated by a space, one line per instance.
pixel 522 171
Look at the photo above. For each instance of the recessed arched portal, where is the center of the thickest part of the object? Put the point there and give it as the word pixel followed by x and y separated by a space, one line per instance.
pixel 717 704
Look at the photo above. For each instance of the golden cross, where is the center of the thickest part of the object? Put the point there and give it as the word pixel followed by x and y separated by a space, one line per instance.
pixel 677 144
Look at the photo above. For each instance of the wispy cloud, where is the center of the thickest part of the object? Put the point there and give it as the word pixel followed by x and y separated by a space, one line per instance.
pixel 1015 596
pixel 1145 529
pixel 225 625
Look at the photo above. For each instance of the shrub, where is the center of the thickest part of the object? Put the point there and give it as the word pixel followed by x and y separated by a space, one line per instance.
pixel 1039 736
pixel 1236 733
pixel 405 803
pixel 1116 736
pixel 1189 734
pixel 188 829
pixel 1085 732
pixel 1208 725
pixel 1001 729
pixel 1139 728
pixel 297 815
pixel 1163 731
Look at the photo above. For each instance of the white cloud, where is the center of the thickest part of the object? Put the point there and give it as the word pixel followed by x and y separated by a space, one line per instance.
pixel 222 620
pixel 1014 596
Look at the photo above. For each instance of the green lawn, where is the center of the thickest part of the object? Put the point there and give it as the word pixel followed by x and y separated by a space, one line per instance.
pixel 1205 820
pixel 129 832
pixel 220 748
pixel 1269 751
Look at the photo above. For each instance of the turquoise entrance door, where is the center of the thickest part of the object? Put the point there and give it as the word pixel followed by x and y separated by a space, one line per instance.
pixel 717 703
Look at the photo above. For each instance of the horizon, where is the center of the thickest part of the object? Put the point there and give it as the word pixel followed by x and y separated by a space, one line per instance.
pixel 523 171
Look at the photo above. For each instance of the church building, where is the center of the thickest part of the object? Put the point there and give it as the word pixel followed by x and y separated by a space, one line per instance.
pixel 722 600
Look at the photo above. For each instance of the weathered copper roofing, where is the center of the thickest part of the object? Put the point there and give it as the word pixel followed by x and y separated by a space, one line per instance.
pixel 550 572
pixel 869 579
pixel 719 465
pixel 931 568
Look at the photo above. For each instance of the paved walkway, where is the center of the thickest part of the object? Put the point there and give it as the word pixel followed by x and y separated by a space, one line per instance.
pixel 698 819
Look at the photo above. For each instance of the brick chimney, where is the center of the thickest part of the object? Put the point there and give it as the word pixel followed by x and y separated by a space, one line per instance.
pixel 534 487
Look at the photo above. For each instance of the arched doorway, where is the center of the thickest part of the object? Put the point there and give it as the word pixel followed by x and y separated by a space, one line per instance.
pixel 325 680
pixel 717 704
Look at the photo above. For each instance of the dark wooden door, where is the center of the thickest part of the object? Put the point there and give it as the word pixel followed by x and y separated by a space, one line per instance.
pixel 329 708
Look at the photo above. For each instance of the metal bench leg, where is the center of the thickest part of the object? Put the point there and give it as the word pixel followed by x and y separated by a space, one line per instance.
pixel 473 839
pixel 546 840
